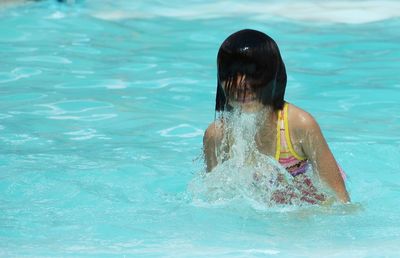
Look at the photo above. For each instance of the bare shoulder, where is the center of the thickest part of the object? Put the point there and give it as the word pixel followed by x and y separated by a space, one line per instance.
pixel 305 131
pixel 213 131
pixel 301 121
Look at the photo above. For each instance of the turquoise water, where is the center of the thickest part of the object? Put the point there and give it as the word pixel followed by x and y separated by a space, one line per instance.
pixel 103 107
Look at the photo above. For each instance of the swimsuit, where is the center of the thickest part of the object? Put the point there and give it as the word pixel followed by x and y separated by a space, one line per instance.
pixel 295 165
pixel 285 153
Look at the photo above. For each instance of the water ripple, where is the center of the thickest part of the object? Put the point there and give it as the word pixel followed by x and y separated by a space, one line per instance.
pixel 4 116
pixel 45 59
pixel 85 118
pixel 86 134
pixel 18 139
pixel 181 131
pixel 82 110
pixel 356 12
pixel 18 73
pixel 73 107
pixel 56 16
pixel 108 84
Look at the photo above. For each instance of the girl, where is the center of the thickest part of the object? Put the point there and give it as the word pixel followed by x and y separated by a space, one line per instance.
pixel 252 79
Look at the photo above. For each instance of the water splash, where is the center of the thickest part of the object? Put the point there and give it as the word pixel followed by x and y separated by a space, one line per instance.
pixel 246 175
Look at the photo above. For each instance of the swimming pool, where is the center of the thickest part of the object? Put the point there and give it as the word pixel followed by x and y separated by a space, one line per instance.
pixel 103 108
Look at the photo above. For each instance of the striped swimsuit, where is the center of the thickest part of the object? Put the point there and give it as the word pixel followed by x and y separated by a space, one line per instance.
pixel 285 153
pixel 295 165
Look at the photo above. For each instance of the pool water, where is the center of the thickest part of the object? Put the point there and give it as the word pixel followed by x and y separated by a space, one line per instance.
pixel 104 105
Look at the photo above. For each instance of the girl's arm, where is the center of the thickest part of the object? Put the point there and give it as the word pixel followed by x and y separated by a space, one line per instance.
pixel 210 140
pixel 317 151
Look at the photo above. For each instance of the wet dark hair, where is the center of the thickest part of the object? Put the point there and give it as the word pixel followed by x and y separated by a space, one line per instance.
pixel 255 55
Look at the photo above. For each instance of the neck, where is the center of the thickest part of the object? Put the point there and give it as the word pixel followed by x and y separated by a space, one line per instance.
pixel 269 121
pixel 257 128
pixel 266 133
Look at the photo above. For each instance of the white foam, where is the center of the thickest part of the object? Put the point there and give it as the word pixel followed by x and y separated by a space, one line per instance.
pixel 262 251
pixel 244 175
pixel 56 15
pixel 350 12
pixel 116 84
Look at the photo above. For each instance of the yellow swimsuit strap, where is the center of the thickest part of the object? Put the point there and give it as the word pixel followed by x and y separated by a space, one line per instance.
pixel 287 134
pixel 278 136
